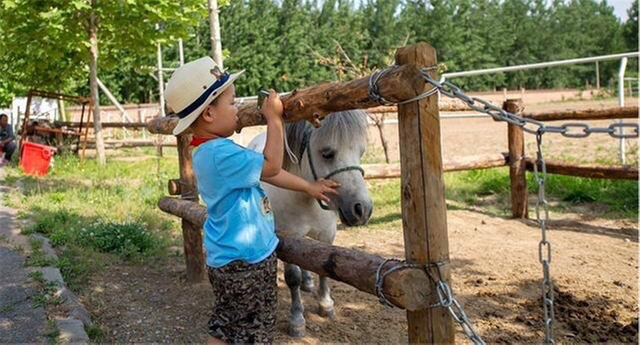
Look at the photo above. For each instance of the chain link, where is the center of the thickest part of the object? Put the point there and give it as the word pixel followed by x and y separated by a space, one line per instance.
pixel 544 246
pixel 446 299
pixel 570 130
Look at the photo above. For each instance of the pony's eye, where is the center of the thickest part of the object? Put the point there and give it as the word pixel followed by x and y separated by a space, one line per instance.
pixel 327 153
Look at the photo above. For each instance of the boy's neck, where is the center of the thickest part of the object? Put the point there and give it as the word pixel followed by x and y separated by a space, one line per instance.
pixel 200 133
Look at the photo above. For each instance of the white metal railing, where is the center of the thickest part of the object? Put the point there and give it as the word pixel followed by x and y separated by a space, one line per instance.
pixel 542 65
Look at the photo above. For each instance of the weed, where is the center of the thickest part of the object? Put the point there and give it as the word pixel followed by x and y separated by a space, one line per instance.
pixel 95 333
pixel 52 332
pixel 37 257
pixel 76 265
pixel 46 291
pixel 7 308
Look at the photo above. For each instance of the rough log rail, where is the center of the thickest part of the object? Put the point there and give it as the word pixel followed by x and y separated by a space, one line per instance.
pixel 406 288
pixel 587 170
pixel 314 103
pixel 591 114
pixel 382 171
pixel 128 125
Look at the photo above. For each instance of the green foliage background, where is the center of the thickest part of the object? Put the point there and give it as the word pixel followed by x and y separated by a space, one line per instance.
pixel 286 44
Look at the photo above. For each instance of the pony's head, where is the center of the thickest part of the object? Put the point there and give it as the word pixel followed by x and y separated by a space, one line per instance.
pixel 334 151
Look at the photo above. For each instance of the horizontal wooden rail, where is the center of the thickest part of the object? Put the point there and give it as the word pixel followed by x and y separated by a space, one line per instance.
pixel 130 144
pixel 128 125
pixel 406 288
pixel 591 114
pixel 587 170
pixel 56 130
pixel 384 171
pixel 316 102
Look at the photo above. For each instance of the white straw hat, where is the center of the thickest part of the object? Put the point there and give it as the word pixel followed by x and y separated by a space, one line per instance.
pixel 193 86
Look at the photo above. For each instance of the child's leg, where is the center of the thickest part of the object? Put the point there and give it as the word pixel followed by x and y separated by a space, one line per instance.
pixel 245 302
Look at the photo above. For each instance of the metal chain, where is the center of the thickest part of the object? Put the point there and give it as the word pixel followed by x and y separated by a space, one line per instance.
pixel 570 130
pixel 374 91
pixel 544 246
pixel 446 299
pixel 540 169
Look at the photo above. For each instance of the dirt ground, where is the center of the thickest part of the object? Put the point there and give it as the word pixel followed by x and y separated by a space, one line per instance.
pixel 496 276
pixel 495 269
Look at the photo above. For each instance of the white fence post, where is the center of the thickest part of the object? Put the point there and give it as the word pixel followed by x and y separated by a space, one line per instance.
pixel 623 66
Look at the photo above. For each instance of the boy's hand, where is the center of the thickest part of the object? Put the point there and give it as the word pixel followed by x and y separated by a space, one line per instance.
pixel 319 189
pixel 272 107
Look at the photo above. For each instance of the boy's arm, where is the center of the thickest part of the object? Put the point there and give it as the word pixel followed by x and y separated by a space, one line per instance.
pixel 273 150
pixel 287 180
pixel 316 189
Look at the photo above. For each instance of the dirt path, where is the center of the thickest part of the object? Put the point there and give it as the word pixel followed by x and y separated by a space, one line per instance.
pixel 20 320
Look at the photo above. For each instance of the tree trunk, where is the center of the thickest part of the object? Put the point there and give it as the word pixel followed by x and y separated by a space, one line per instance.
pixel 216 43
pixel 383 139
pixel 378 120
pixel 93 80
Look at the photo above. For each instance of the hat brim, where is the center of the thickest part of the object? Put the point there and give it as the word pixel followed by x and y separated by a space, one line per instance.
pixel 186 121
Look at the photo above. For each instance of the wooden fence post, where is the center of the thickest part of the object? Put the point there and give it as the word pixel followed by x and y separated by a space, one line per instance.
pixel 191 233
pixel 423 206
pixel 517 163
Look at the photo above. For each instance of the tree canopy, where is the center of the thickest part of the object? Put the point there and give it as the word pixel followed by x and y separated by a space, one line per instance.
pixel 287 44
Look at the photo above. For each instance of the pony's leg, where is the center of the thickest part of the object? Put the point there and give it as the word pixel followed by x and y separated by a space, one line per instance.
pixel 325 302
pixel 307 282
pixel 293 277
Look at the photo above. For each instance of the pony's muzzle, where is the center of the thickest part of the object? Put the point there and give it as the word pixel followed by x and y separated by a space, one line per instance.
pixel 358 214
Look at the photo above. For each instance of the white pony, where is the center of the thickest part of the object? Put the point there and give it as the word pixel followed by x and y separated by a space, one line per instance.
pixel 332 151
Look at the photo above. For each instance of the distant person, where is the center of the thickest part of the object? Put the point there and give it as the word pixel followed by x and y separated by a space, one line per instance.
pixel 7 138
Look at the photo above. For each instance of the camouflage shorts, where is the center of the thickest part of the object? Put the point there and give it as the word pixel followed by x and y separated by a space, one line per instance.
pixel 245 301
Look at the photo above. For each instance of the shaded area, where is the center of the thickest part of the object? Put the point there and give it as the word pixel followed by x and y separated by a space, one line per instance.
pixel 20 321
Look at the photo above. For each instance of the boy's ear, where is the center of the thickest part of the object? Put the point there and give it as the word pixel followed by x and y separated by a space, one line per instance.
pixel 207 114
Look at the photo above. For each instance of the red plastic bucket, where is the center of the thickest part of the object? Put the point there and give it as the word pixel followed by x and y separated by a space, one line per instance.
pixel 36 158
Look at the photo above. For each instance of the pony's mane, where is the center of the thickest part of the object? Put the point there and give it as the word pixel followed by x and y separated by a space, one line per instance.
pixel 340 129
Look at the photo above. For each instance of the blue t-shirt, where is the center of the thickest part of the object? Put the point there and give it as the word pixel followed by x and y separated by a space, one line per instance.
pixel 240 224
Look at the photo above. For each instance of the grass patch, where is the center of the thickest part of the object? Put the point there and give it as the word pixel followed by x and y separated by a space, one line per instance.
pixel 7 308
pixel 95 333
pixel 77 264
pixel 46 291
pixel 37 257
pixel 490 190
pixel 386 203
pixel 52 332
pixel 97 214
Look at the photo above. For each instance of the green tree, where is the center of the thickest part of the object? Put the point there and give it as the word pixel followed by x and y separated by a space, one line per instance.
pixel 630 31
pixel 68 32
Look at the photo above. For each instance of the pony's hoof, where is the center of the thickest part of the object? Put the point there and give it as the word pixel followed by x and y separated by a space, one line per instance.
pixel 328 313
pixel 308 287
pixel 296 331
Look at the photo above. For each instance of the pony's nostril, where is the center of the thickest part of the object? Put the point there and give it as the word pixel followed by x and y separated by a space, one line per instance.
pixel 357 210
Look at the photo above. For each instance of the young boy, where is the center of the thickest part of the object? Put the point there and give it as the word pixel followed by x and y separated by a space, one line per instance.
pixel 240 238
